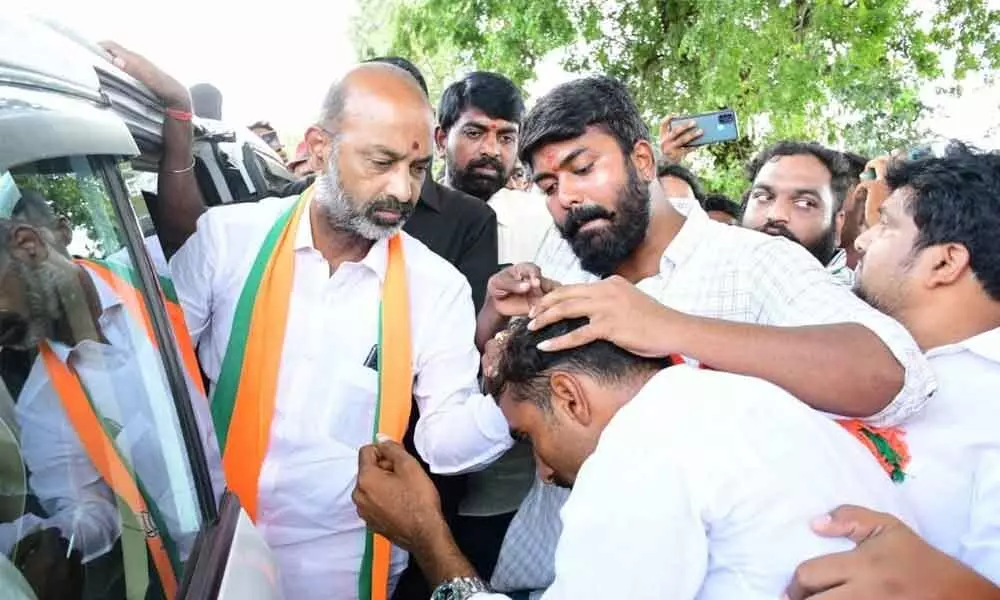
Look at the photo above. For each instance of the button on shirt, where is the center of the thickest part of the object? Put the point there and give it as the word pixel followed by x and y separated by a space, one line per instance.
pixel 325 404
pixel 703 487
pixel 953 480
pixel 128 387
pixel 718 271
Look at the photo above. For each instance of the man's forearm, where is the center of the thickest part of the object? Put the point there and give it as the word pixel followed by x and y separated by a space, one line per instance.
pixel 439 557
pixel 179 202
pixel 843 369
pixel 488 323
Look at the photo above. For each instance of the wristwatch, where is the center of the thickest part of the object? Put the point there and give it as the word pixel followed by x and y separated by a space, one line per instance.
pixel 460 588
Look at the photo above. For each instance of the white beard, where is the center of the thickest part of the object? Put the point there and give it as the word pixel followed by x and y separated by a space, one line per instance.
pixel 341 212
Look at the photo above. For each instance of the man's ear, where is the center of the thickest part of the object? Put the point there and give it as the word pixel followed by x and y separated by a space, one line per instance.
pixel 318 142
pixel 27 245
pixel 568 397
pixel 64 232
pixel 949 263
pixel 440 140
pixel 838 224
pixel 644 160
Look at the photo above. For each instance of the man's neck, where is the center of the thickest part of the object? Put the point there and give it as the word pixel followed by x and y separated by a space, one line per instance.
pixel 664 224
pixel 336 245
pixel 936 326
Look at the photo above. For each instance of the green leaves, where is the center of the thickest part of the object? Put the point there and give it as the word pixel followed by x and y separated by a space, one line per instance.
pixel 844 72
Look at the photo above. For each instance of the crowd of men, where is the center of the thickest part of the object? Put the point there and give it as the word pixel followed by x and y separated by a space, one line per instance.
pixel 585 377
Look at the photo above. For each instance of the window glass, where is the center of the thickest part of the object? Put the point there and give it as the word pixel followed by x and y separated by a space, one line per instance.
pixel 95 474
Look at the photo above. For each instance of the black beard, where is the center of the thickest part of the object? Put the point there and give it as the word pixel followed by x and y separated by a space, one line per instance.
pixel 601 251
pixel 480 185
pixel 823 248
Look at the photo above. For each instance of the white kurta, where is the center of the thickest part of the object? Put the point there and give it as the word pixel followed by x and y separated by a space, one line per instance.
pixel 953 481
pixel 703 487
pixel 326 395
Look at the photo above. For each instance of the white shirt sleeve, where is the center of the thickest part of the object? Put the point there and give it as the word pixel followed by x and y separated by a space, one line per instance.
pixel 192 269
pixel 459 429
pixel 66 483
pixel 792 289
pixel 980 546
pixel 615 525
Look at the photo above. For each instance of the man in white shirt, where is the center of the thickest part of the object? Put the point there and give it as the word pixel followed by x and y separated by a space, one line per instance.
pixel 69 307
pixel 374 141
pixel 686 484
pixel 797 191
pixel 726 297
pixel 933 262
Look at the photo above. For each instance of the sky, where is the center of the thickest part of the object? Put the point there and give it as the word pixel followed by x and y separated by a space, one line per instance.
pixel 276 65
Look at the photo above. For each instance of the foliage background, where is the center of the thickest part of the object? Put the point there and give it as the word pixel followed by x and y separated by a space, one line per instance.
pixel 843 72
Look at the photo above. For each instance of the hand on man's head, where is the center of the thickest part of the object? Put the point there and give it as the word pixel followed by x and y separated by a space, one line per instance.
pixel 515 290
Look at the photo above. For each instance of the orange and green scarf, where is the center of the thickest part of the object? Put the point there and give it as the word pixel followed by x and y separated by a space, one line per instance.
pixel 125 282
pixel 98 443
pixel 244 398
pixel 92 430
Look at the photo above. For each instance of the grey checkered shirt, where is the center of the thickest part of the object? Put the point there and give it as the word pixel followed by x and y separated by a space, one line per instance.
pixel 723 272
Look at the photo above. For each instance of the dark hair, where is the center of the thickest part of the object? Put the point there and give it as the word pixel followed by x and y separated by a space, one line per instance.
pixel 956 199
pixel 261 125
pixel 402 63
pixel 491 93
pixel 835 163
pixel 666 168
pixel 855 166
pixel 721 203
pixel 206 100
pixel 566 112
pixel 523 367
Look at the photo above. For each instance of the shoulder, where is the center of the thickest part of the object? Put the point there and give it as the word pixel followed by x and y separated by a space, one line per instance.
pixel 461 206
pixel 253 215
pixel 426 270
pixel 684 403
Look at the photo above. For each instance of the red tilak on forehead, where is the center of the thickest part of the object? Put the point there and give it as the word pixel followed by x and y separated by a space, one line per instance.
pixel 549 155
pixel 416 145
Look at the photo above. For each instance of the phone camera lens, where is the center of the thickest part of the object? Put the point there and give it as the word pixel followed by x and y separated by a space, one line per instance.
pixel 725 118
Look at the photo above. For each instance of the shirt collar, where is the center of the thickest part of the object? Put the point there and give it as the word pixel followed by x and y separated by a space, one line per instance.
pixel 375 260
pixel 985 344
pixel 693 231
pixel 837 267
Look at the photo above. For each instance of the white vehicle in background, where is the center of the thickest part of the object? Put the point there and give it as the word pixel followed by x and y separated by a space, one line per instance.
pixel 87 137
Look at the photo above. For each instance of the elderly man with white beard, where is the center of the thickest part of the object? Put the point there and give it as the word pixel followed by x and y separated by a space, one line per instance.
pixel 317 318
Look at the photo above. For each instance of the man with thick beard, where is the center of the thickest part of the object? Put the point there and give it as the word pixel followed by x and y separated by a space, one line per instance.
pixel 726 297
pixel 798 191
pixel 480 116
pixel 335 312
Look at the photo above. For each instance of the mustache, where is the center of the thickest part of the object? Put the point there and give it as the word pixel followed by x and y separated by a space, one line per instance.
pixel 390 204
pixel 486 161
pixel 580 216
pixel 777 228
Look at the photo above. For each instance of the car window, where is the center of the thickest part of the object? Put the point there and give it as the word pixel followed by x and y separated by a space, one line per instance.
pixel 101 465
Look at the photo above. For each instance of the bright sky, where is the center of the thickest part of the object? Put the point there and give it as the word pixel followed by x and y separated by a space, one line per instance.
pixel 276 63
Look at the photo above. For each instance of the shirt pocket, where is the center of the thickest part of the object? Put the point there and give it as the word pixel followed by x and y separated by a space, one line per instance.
pixel 350 416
